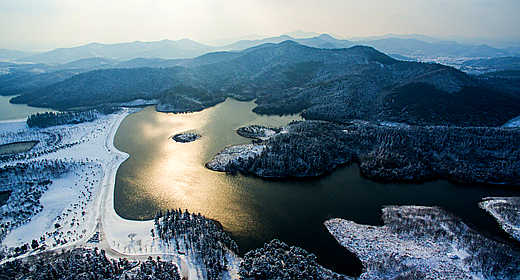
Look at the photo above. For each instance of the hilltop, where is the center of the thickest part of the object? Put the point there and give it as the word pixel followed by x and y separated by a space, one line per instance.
pixel 338 85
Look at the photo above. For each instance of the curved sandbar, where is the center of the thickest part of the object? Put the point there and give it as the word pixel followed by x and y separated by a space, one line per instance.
pixel 128 238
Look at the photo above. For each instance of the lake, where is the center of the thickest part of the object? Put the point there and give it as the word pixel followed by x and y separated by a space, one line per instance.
pixel 163 174
pixel 10 111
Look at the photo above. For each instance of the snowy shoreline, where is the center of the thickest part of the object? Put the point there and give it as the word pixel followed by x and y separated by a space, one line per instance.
pixel 81 201
pixel 419 242
pixel 77 210
pixel 506 211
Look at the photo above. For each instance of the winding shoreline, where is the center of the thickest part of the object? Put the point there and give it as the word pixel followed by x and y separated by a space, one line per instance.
pixel 113 228
pixel 117 236
pixel 120 238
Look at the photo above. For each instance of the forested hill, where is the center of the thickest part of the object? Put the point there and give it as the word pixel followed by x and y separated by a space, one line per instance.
pixel 328 84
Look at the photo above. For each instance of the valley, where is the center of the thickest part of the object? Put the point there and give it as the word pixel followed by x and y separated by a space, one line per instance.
pixel 315 114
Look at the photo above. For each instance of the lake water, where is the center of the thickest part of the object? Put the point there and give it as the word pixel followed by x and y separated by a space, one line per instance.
pixel 10 111
pixel 162 174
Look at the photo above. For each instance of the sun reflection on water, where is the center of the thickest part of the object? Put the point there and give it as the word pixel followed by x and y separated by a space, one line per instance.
pixel 174 175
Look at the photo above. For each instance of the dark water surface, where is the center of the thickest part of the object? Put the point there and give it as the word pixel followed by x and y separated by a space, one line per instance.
pixel 17 147
pixel 162 174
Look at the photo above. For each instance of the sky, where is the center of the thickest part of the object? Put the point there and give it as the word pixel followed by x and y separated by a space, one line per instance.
pixel 49 24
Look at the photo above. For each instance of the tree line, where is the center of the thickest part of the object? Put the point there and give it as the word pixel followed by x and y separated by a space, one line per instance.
pixel 276 260
pixel 47 119
pixel 87 263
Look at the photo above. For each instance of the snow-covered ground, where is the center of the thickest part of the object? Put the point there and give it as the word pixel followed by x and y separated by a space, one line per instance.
pixel 228 158
pixel 12 125
pixel 418 242
pixel 506 210
pixel 78 207
pixel 513 122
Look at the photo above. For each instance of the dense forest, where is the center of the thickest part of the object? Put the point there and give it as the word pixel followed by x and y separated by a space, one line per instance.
pixel 27 81
pixel 199 237
pixel 276 260
pixel 68 117
pixel 338 85
pixel 466 154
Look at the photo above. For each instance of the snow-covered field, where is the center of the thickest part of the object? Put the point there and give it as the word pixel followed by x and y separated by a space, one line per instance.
pixel 78 207
pixel 12 126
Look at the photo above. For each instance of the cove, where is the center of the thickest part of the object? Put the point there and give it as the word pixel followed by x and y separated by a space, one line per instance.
pixel 162 174
pixel 10 111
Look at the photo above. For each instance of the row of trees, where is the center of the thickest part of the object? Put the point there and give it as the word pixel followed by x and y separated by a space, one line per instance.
pixel 47 141
pixel 68 117
pixel 86 263
pixel 198 235
pixel 36 170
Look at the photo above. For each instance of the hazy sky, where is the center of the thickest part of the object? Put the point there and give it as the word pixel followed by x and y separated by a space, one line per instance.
pixel 47 24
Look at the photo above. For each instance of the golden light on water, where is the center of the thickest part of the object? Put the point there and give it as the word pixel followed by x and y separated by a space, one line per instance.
pixel 174 175
pixel 162 174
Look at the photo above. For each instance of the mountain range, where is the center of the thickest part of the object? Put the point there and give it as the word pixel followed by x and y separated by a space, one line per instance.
pixel 413 47
pixel 339 85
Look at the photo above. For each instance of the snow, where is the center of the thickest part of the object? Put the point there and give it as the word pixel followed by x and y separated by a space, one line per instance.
pixel 226 159
pixel 394 124
pixel 82 201
pixel 506 211
pixel 513 122
pixel 139 102
pixel 12 125
pixel 417 242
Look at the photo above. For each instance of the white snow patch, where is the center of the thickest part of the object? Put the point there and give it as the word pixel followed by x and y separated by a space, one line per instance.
pixel 513 122
pixel 506 211
pixel 82 202
pixel 225 159
pixel 12 125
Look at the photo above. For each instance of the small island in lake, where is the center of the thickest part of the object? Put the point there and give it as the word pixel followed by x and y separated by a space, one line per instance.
pixel 185 137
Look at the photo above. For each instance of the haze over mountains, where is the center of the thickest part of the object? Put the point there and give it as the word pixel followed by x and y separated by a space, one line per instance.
pixel 414 47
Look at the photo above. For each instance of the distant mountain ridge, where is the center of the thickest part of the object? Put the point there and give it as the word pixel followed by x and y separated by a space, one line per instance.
pixel 414 46
pixel 166 49
pixel 7 55
pixel 338 85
